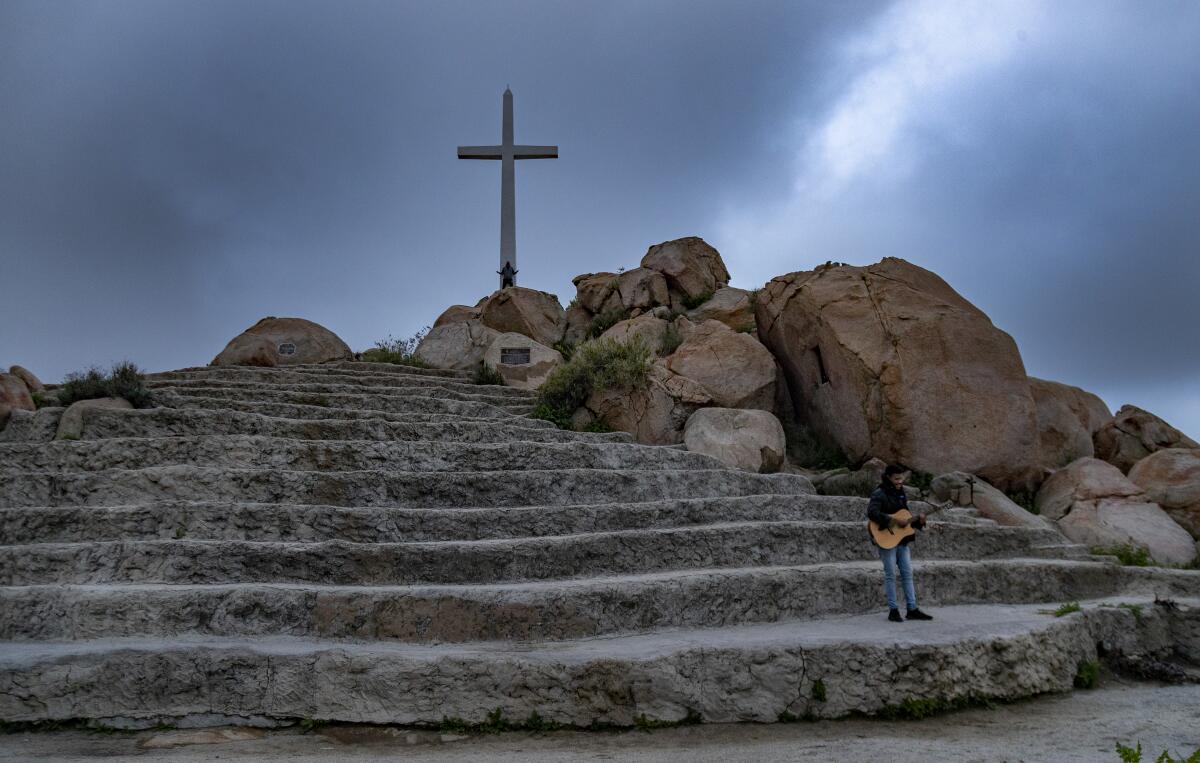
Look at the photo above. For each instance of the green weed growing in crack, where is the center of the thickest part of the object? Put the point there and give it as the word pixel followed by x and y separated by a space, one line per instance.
pixel 1065 609
pixel 1135 609
pixel 1134 755
pixel 1087 674
pixel 818 691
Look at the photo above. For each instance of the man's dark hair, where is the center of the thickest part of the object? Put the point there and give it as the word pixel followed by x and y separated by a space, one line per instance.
pixel 895 469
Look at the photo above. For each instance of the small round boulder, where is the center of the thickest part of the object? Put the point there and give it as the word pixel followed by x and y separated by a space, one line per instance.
pixel 745 439
pixel 283 342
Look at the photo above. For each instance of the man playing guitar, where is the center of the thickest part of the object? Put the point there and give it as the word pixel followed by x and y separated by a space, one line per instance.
pixel 892 528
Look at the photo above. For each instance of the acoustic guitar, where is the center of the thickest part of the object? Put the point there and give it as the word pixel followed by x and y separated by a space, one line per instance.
pixel 890 537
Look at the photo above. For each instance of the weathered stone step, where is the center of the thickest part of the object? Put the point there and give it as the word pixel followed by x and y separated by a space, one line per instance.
pixel 300 378
pixel 335 395
pixel 286 410
pixel 115 487
pixel 750 673
pixel 208 520
pixel 101 423
pixel 623 552
pixel 551 610
pixel 340 365
pixel 264 402
pixel 249 451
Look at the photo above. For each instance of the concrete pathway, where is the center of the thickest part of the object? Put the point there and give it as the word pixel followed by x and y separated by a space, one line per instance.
pixel 1082 726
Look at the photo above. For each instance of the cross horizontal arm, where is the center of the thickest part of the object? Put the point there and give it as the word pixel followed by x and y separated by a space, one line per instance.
pixel 535 152
pixel 480 152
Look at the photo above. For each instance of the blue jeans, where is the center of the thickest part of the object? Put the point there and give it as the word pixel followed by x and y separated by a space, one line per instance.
pixel 893 558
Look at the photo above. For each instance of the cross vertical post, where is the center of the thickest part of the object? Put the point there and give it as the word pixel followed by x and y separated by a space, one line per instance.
pixel 508 153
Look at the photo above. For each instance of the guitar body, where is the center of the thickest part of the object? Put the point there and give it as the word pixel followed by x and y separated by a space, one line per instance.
pixel 890 538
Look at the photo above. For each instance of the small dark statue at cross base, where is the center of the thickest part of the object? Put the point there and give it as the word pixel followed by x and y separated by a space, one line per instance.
pixel 508 276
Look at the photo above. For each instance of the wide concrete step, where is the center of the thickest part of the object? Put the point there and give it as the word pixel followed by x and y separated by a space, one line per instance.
pixel 818 669
pixel 622 552
pixel 336 395
pixel 317 407
pixel 550 610
pixel 170 422
pixel 115 487
pixel 299 377
pixel 234 451
pixel 342 366
pixel 214 520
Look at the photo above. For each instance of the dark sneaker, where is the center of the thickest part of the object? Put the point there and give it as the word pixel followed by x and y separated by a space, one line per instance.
pixel 894 616
pixel 916 614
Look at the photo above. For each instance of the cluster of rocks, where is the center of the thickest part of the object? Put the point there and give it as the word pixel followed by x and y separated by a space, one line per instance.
pixel 679 303
pixel 884 362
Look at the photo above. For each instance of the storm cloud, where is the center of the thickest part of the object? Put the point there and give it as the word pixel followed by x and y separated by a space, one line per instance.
pixel 171 172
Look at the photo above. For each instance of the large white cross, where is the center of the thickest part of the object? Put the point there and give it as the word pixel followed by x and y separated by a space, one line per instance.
pixel 507 153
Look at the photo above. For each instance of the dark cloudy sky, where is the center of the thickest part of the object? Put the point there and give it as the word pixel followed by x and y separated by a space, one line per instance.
pixel 170 172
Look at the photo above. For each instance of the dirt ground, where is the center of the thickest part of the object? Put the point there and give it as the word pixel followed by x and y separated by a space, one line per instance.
pixel 1082 726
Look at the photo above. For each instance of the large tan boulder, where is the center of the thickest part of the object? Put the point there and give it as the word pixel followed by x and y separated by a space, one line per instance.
pixel 578 322
pixel 457 314
pixel 1134 434
pixel 652 331
pixel 595 292
pixel 731 306
pixel 887 360
pixel 1171 478
pixel 14 396
pixel 642 288
pixel 1094 504
pixel 750 440
pixel 522 362
pixel 735 368
pixel 458 346
pixel 283 342
pixel 70 426
pixel 692 267
pixel 32 383
pixel 968 490
pixel 1067 417
pixel 655 414
pixel 536 314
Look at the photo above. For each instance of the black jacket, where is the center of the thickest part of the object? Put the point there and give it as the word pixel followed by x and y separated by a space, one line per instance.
pixel 885 501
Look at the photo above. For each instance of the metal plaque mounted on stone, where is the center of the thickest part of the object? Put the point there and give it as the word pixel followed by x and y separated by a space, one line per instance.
pixel 514 356
pixel 287 348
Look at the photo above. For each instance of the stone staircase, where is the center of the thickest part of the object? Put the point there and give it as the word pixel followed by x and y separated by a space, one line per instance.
pixel 364 542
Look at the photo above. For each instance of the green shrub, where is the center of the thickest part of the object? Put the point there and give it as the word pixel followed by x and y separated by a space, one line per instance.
pixel 1024 499
pixel 598 425
pixel 1087 675
pixel 605 320
pixel 807 449
pixel 485 374
pixel 1068 608
pixel 596 365
pixel 1130 556
pixel 1134 755
pixel 565 348
pixel 400 352
pixel 124 380
pixel 691 303
pixel 671 340
pixel 818 691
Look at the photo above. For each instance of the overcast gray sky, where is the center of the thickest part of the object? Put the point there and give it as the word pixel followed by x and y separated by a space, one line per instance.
pixel 171 172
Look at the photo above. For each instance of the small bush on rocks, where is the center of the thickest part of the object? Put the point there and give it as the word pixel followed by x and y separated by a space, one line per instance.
pixel 670 341
pixel 124 380
pixel 400 352
pixel 485 374
pixel 1130 556
pixel 691 303
pixel 1087 675
pixel 604 321
pixel 596 365
pixel 1068 608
